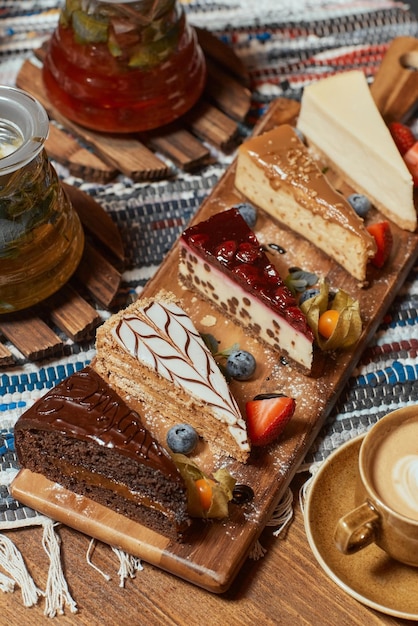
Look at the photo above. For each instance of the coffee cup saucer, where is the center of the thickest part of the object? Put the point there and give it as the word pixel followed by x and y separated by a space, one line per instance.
pixel 370 575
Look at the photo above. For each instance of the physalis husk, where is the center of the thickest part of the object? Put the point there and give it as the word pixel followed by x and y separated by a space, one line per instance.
pixel 223 485
pixel 349 325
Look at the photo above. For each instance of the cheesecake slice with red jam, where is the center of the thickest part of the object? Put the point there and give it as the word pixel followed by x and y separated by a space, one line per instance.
pixel 222 261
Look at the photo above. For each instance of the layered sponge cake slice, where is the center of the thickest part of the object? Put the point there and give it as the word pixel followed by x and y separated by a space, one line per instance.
pixel 152 353
pixel 276 172
pixel 222 261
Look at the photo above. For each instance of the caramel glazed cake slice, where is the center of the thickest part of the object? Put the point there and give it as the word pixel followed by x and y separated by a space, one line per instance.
pixel 152 354
pixel 276 172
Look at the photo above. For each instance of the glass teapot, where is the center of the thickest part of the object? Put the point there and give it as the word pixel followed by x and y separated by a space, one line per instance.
pixel 123 67
pixel 41 237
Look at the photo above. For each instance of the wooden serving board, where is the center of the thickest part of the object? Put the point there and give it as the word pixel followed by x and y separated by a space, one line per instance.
pixel 214 551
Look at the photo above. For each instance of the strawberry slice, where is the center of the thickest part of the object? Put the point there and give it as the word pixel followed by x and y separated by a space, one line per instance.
pixel 267 415
pixel 384 240
pixel 411 159
pixel 402 136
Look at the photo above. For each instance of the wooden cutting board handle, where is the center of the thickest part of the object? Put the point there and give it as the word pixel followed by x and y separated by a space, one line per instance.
pixel 395 87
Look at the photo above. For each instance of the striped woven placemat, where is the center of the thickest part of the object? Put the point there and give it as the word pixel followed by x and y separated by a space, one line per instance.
pixel 285 46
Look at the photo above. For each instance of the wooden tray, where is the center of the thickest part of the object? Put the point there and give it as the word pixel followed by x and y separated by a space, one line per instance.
pixel 97 279
pixel 213 121
pixel 215 551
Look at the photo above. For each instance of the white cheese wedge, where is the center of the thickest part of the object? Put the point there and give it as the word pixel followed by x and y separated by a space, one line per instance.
pixel 340 119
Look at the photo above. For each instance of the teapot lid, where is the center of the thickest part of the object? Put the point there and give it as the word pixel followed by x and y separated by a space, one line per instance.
pixel 24 127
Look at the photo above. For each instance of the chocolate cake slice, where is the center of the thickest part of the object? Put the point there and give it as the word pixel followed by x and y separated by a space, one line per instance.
pixel 82 435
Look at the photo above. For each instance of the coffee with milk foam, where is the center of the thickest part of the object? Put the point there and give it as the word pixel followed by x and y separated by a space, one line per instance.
pixel 395 469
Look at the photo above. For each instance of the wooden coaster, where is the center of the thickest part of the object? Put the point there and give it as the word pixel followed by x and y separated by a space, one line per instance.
pixel 98 275
pixel 213 120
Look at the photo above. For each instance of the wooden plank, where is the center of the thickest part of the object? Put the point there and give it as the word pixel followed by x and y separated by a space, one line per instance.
pixel 96 221
pixel 395 87
pixel 129 156
pixel 29 79
pixel 90 517
pixel 81 163
pixel 98 276
pixel 207 122
pixel 6 357
pixel 181 147
pixel 286 587
pixel 30 335
pixel 223 55
pixel 281 111
pixel 227 93
pixel 72 314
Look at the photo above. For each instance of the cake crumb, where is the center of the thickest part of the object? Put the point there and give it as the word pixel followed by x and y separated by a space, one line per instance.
pixel 208 320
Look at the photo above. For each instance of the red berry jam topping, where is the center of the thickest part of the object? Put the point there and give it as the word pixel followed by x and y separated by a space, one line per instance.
pixel 228 243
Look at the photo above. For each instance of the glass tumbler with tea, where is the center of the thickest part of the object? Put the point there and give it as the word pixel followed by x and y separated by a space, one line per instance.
pixel 123 67
pixel 41 237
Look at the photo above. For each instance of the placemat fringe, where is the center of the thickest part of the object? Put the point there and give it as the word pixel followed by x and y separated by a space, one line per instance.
pixel 282 514
pixel 129 565
pixel 257 552
pixel 89 555
pixel 57 594
pixel 303 491
pixel 7 585
pixel 12 562
pixel 281 517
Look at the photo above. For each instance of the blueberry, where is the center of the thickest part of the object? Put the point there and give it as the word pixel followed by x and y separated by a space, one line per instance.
pixel 240 365
pixel 242 494
pixel 182 438
pixel 308 294
pixel 360 203
pixel 248 213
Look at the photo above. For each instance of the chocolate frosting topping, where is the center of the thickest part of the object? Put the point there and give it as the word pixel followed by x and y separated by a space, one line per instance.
pixel 84 407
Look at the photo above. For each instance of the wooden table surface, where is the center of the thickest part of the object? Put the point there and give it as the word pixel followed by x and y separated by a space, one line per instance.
pixel 285 587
